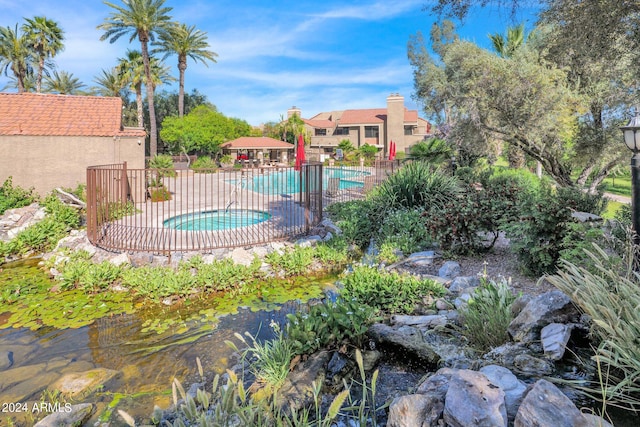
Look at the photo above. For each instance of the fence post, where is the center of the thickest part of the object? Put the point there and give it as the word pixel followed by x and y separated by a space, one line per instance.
pixel 123 184
pixel 91 205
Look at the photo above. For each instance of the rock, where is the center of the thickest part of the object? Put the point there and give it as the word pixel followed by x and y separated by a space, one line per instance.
pixel 297 391
pixel 546 405
pixel 421 259
pixel 513 388
pixel 585 217
pixel 412 410
pixel 370 359
pixel 337 369
pixel 550 307
pixel 308 241
pixel 459 284
pixel 555 337
pixel 472 400
pixel 68 415
pixel 407 339
pixel 120 259
pixel 330 226
pixel 327 237
pixel 592 420
pixel 449 270
pixel 430 321
pixel 532 366
pixel 241 256
pixel 79 383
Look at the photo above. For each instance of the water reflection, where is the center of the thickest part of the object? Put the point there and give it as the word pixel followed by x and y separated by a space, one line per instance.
pixel 146 358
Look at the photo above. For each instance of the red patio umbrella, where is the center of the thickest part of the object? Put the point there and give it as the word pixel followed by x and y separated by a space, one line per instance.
pixel 392 150
pixel 300 159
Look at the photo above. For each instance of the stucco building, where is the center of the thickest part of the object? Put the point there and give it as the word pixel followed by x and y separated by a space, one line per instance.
pixel 47 141
pixel 374 126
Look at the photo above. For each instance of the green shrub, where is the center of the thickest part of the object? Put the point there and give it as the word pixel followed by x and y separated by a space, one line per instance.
pixel 328 324
pixel 334 253
pixel 269 360
pixel 488 315
pixel 581 201
pixel 404 229
pixel 222 275
pixel 159 194
pixel 537 238
pixel 158 282
pixel 388 292
pixel 204 164
pixel 86 275
pixel 164 165
pixel 415 185
pixel 291 262
pixel 15 197
pixel 357 219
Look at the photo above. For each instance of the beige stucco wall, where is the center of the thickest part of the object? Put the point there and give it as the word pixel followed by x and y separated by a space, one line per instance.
pixel 47 162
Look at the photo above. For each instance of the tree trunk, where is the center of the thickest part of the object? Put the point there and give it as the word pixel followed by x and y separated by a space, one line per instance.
pixel 582 179
pixel 139 105
pixel 182 66
pixel 602 174
pixel 153 130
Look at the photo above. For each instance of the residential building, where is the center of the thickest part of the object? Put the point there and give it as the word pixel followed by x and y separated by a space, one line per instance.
pixel 48 140
pixel 373 126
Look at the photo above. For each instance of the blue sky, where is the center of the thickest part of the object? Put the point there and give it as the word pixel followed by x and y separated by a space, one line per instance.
pixel 318 56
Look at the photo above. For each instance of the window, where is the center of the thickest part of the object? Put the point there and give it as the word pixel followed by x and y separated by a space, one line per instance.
pixel 341 131
pixel 408 130
pixel 371 131
pixel 321 132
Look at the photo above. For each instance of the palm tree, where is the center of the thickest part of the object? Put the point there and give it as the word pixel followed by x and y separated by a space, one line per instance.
pixel 505 47
pixel 131 70
pixel 15 55
pixel 29 83
pixel 63 83
pixel 144 19
pixel 45 37
pixel 111 83
pixel 185 42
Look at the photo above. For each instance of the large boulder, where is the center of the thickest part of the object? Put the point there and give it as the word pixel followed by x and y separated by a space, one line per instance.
pixel 473 400
pixel 514 389
pixel 407 339
pixel 547 308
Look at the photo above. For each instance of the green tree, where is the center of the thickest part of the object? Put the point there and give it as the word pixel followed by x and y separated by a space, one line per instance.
pixel 202 131
pixel 143 19
pixel 185 42
pixel 506 46
pixel 522 101
pixel 63 83
pixel 46 38
pixel 289 129
pixel 112 83
pixel 16 55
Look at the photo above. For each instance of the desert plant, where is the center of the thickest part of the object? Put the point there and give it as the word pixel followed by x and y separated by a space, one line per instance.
pixel 417 185
pixel 159 194
pixel 487 314
pixel 163 163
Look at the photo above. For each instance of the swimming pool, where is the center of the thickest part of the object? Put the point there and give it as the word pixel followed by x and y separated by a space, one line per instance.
pixel 216 220
pixel 288 181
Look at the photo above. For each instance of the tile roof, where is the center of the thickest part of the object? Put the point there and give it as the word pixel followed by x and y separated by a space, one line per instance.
pixel 319 123
pixel 356 117
pixel 256 142
pixel 62 115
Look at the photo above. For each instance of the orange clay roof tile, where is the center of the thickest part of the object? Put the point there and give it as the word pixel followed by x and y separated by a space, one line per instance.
pixel 62 115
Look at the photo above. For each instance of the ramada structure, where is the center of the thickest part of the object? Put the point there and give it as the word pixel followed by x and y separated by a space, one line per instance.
pixel 374 126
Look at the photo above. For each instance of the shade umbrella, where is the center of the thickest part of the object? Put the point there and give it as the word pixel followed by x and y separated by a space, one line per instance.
pixel 392 150
pixel 300 159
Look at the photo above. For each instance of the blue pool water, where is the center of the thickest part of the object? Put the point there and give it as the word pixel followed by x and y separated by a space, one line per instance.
pixel 288 181
pixel 216 220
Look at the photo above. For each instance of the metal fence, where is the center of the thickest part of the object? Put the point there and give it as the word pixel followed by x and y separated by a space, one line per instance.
pixel 168 211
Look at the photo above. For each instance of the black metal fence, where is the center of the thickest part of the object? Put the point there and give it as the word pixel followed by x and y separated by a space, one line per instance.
pixel 168 211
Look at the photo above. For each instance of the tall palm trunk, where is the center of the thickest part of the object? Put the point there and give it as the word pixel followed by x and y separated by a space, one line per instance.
pixel 182 67
pixel 139 105
pixel 153 130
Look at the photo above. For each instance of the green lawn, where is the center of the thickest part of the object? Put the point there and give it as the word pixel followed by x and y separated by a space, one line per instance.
pixel 619 185
pixel 612 208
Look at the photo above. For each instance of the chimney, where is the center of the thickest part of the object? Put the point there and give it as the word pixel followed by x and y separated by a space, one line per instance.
pixel 294 110
pixel 395 121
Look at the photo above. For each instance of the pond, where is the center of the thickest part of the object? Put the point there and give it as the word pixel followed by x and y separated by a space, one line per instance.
pixel 148 345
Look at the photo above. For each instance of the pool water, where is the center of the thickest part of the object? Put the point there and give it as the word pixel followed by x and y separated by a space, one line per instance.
pixel 288 181
pixel 216 220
